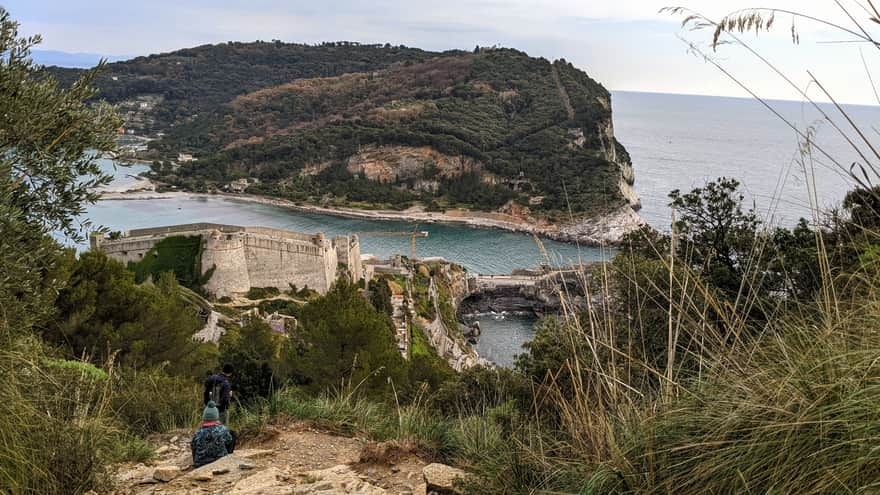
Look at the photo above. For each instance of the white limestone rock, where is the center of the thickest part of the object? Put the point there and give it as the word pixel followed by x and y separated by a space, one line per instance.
pixel 337 480
pixel 165 473
pixel 442 477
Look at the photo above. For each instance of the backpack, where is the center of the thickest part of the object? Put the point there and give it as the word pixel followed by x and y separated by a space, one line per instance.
pixel 214 390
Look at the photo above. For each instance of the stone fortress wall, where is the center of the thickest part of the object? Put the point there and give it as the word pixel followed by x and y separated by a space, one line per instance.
pixel 246 257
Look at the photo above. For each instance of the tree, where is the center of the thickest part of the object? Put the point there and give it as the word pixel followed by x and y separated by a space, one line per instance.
pixel 102 311
pixel 49 138
pixel 716 235
pixel 253 351
pixel 340 338
pixel 32 270
pixel 380 296
pixel 44 134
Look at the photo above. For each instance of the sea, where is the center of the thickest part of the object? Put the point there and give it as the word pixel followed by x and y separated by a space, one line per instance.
pixel 675 142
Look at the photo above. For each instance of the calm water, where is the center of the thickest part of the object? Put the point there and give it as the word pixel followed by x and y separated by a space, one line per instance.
pixel 679 142
pixel 676 142
pixel 502 340
pixel 479 250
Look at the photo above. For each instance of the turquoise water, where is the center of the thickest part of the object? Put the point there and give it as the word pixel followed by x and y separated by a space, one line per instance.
pixel 676 142
pixel 486 251
pixel 502 339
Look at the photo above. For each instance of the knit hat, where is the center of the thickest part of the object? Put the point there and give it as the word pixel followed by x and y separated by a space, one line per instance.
pixel 211 413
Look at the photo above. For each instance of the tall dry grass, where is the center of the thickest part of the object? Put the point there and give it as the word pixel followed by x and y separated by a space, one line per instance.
pixel 787 403
pixel 65 422
pixel 55 422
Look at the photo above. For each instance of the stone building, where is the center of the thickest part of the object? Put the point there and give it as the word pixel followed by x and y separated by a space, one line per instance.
pixel 241 258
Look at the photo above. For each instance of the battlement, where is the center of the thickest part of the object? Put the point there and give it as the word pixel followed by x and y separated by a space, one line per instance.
pixel 244 257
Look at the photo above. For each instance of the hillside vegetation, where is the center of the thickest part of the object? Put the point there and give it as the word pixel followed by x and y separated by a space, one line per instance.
pixel 377 126
pixel 187 82
pixel 726 357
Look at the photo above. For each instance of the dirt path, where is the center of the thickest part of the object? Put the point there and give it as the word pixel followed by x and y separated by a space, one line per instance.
pixel 289 459
pixel 566 101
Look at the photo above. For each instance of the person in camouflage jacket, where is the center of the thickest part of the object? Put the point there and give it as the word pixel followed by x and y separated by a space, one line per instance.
pixel 212 440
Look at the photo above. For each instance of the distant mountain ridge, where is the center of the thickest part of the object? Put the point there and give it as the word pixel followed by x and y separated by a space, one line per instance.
pixel 72 60
pixel 378 126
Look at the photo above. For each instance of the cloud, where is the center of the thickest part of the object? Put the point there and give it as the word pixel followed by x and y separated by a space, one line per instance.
pixel 624 44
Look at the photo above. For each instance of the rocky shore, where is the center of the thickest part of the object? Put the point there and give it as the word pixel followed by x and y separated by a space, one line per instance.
pixel 603 230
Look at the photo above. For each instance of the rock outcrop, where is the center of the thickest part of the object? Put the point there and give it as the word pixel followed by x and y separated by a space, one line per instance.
pixel 442 478
pixel 293 460
pixel 602 230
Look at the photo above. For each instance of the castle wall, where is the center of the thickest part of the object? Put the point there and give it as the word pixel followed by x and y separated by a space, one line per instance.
pixel 348 252
pixel 279 263
pixel 226 256
pixel 246 257
pixel 128 250
pixel 190 228
pixel 282 234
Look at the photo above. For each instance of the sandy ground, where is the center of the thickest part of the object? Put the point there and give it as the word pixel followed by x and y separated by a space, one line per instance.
pixel 602 230
pixel 141 185
pixel 283 461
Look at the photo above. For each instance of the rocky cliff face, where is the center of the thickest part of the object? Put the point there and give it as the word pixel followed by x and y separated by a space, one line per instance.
pixel 390 164
pixel 449 287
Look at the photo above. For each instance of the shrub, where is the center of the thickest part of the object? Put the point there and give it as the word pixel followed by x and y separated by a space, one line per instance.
pixel 150 401
pixel 56 431
pixel 253 351
pixel 257 293
pixel 180 255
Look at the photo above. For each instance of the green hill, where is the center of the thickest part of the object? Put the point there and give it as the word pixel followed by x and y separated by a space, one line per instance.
pixel 379 126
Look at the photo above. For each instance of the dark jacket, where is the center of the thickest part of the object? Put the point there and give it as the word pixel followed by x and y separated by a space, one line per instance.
pixel 211 442
pixel 221 383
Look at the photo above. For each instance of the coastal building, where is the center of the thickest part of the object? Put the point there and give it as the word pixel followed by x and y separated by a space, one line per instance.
pixel 240 258
pixel 238 186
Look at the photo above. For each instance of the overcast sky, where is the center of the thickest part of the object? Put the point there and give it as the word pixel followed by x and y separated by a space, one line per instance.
pixel 625 44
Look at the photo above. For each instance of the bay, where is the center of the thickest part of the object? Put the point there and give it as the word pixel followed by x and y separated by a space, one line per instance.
pixel 675 141
pixel 480 251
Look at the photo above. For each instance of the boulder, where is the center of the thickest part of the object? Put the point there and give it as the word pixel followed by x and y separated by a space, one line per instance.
pixel 442 477
pixel 337 480
pixel 203 476
pixel 270 481
pixel 165 473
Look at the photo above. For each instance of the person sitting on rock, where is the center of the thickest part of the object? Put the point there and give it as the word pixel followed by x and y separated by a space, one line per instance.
pixel 213 440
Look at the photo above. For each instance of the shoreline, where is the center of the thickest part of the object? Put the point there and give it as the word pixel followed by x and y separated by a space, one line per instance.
pixel 600 231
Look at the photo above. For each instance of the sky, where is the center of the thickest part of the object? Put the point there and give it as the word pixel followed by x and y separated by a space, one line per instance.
pixel 624 44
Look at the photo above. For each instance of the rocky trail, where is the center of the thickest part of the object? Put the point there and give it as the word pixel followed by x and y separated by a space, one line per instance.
pixel 563 94
pixel 289 459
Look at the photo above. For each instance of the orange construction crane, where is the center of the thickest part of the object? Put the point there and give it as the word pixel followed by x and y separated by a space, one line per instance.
pixel 401 233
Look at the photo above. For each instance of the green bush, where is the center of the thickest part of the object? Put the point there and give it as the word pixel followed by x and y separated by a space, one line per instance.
pixel 56 432
pixel 180 255
pixel 253 351
pixel 150 401
pixel 342 339
pixel 257 293
pixel 103 314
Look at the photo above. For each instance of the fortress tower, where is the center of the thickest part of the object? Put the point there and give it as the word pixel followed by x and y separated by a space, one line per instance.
pixel 225 255
pixel 240 258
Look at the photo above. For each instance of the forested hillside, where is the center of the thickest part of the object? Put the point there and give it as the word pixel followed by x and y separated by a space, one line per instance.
pixel 376 125
pixel 179 85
